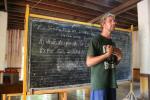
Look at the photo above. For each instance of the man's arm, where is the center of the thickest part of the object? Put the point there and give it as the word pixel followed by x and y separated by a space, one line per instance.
pixel 90 60
pixel 93 60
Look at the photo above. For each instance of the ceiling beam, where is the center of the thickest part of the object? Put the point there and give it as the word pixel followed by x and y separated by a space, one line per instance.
pixel 67 6
pixel 85 5
pixel 132 14
pixel 14 9
pixel 53 9
pixel 129 19
pixel 58 15
pixel 103 3
pixel 127 16
pixel 125 22
pixel 120 9
pixel 57 8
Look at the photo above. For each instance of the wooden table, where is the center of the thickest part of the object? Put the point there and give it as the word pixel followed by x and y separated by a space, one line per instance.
pixel 10 88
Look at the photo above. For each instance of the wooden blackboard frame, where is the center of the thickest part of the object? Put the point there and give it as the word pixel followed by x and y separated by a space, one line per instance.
pixel 25 66
pixel 25 53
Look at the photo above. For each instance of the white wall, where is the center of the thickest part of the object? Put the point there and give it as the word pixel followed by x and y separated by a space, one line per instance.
pixel 3 30
pixel 144 35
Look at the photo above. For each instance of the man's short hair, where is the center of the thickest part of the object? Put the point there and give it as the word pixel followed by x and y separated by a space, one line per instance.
pixel 104 16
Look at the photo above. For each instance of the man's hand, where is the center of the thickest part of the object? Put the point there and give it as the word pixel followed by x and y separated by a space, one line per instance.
pixel 117 52
pixel 93 60
pixel 109 50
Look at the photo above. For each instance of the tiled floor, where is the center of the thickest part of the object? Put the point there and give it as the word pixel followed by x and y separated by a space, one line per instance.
pixel 122 91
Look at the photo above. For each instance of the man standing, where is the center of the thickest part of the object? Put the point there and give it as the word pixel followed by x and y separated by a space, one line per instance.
pixel 102 56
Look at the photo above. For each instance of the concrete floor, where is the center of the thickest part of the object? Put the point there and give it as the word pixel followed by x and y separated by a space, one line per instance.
pixel 122 91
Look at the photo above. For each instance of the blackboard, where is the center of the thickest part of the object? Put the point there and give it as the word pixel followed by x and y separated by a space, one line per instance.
pixel 57 53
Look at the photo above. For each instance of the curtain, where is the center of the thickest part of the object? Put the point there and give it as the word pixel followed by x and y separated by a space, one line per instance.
pixel 14 48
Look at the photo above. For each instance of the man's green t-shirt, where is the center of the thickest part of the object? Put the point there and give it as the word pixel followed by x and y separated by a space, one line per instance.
pixel 100 77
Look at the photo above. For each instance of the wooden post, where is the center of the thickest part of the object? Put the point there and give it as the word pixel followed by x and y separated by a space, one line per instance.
pixel 132 35
pixel 25 53
pixel 63 96
pixel 3 96
pixel 87 93
pixel 9 97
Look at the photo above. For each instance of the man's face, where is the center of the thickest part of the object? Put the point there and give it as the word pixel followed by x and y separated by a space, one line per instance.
pixel 109 23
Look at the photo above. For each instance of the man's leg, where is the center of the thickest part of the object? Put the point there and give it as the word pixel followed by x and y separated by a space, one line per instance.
pixel 98 94
pixel 111 94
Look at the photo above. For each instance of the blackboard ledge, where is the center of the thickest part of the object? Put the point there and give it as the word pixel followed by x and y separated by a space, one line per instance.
pixel 57 89
pixel 119 82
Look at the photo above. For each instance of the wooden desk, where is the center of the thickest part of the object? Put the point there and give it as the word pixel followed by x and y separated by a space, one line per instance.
pixel 11 88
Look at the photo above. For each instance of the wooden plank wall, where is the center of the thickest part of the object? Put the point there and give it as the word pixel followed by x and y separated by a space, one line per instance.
pixel 136 74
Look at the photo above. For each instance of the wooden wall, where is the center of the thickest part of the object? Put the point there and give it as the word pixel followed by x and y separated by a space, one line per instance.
pixel 136 74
